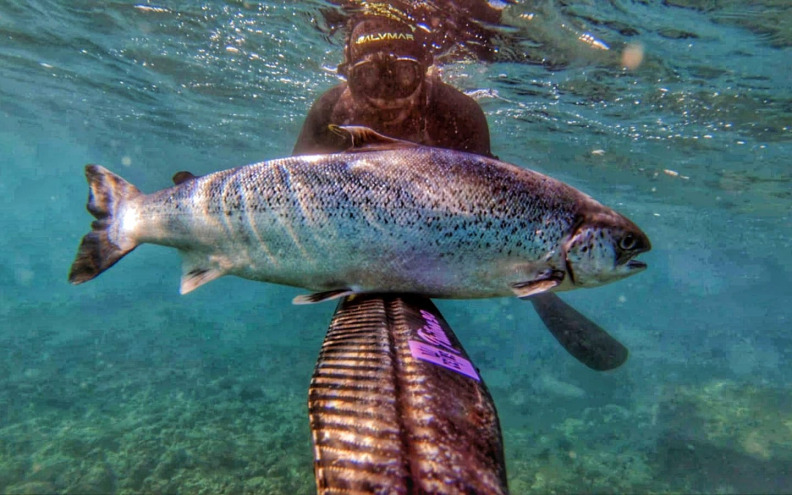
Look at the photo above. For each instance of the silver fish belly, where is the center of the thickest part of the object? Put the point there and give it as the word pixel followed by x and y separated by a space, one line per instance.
pixel 412 220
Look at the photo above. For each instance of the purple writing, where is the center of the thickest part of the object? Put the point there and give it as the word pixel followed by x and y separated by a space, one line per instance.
pixel 437 348
pixel 433 333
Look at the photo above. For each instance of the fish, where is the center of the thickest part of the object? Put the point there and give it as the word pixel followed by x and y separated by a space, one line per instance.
pixel 385 216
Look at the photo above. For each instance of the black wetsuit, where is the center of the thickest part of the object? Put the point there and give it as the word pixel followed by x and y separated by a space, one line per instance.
pixel 446 119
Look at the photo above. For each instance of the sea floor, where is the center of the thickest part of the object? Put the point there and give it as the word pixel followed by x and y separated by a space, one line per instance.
pixel 191 411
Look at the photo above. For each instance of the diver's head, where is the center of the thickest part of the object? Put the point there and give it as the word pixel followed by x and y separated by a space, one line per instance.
pixel 386 64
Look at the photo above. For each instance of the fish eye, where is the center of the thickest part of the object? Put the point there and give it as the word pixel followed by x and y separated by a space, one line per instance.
pixel 628 242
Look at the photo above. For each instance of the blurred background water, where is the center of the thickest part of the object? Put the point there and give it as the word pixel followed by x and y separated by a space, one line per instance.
pixel 123 386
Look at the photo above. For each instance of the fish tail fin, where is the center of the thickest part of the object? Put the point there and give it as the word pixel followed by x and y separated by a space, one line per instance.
pixel 105 244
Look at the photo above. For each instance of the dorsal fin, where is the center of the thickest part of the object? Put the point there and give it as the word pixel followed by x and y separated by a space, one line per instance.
pixel 367 139
pixel 183 176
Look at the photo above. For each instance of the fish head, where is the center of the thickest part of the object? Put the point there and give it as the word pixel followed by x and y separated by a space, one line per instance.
pixel 602 248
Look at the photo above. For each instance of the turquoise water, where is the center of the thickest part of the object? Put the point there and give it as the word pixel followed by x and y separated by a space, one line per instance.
pixel 122 385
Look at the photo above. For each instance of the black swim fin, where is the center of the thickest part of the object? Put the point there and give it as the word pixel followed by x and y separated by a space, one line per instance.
pixel 585 340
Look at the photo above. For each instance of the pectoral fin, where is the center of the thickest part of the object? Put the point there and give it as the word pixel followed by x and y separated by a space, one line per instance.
pixel 322 296
pixel 544 282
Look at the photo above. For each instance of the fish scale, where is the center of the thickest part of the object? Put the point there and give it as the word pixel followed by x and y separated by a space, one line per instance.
pixel 406 218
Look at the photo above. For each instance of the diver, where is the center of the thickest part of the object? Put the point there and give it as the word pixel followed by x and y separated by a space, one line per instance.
pixel 391 88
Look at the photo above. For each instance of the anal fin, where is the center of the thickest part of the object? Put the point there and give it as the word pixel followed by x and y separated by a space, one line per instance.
pixel 197 270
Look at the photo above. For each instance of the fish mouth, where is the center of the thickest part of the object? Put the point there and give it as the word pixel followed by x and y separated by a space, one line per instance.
pixel 635 265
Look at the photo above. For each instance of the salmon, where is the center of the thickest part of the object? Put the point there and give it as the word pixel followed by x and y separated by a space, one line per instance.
pixel 386 216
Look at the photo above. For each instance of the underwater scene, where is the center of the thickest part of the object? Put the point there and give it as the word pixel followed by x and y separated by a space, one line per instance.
pixel 675 113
